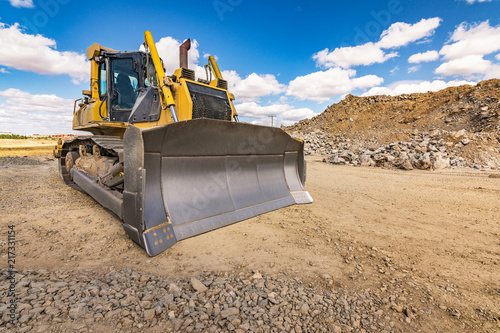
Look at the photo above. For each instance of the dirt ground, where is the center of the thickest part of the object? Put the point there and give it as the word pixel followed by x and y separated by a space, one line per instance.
pixel 427 240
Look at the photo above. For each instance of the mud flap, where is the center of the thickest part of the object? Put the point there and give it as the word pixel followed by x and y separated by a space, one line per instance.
pixel 191 177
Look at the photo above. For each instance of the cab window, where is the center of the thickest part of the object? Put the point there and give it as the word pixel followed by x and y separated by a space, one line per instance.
pixel 102 79
pixel 125 81
pixel 150 74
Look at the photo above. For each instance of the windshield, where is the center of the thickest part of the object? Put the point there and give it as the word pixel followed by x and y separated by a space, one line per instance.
pixel 125 81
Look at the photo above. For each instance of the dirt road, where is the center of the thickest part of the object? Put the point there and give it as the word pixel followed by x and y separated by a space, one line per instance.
pixel 429 241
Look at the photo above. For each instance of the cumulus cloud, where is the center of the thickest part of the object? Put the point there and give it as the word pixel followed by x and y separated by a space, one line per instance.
pixel 472 39
pixel 467 65
pixel 298 114
pixel 25 113
pixel 403 87
pixel 253 86
pixel 285 114
pixel 423 57
pixel 399 34
pixel 323 85
pixel 22 3
pixel 38 54
pixel 492 73
pixel 346 57
pixel 3 70
pixel 254 110
pixel 466 49
pixel 17 100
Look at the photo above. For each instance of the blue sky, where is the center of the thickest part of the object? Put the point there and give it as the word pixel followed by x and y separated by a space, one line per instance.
pixel 288 59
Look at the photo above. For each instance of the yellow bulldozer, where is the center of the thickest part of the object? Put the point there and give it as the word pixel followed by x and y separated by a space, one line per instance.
pixel 168 154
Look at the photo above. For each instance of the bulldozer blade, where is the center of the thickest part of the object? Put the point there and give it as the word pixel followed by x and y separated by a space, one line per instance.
pixel 194 176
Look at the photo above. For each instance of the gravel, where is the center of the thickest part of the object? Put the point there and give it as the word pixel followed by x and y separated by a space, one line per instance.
pixel 212 302
pixel 17 160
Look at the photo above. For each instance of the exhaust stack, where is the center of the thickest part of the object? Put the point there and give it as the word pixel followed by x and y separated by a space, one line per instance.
pixel 183 53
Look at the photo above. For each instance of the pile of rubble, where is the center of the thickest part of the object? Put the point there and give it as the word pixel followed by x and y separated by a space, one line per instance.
pixel 454 127
pixel 435 150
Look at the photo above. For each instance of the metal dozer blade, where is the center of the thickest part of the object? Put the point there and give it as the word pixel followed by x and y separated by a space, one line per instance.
pixel 194 176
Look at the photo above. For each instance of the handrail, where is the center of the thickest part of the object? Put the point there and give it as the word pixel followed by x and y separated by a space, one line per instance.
pixel 74 105
pixel 100 105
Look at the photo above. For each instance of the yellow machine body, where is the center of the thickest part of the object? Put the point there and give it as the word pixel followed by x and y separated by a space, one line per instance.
pixel 168 154
pixel 92 112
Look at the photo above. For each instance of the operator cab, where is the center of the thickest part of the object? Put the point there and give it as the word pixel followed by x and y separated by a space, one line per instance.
pixel 125 80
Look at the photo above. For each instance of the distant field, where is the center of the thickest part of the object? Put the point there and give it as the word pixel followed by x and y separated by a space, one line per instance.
pixel 27 147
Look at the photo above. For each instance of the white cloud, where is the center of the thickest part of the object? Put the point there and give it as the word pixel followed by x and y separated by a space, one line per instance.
pixel 394 70
pixel 254 110
pixel 466 49
pixel 423 57
pixel 22 3
pixel 411 87
pixel 497 57
pixel 4 71
pixel 492 73
pixel 467 39
pixel 284 114
pixel 401 34
pixel 25 113
pixel 254 86
pixel 397 35
pixel 468 65
pixel 413 69
pixel 37 53
pixel 470 2
pixel 17 100
pixel 298 114
pixel 323 85
pixel 283 99
pixel 346 57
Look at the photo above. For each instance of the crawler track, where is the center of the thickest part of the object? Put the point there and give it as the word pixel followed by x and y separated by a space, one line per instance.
pixel 110 145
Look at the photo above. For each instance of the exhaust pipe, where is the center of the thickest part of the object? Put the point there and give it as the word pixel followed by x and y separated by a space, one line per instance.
pixel 183 53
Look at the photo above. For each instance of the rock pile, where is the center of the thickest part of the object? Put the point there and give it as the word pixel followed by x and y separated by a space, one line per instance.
pixel 454 127
pixel 213 302
pixel 435 150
